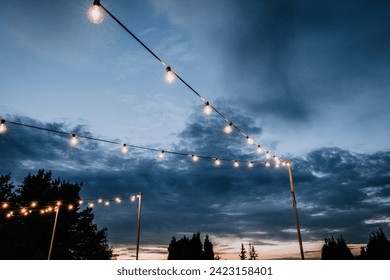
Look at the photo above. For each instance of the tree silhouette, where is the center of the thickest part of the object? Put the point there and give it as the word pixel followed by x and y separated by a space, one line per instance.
pixel 190 249
pixel 242 254
pixel 336 249
pixel 252 252
pixel 378 247
pixel 76 236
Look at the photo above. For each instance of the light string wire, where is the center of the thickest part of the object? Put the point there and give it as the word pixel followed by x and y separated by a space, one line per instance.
pixel 227 120
pixel 277 162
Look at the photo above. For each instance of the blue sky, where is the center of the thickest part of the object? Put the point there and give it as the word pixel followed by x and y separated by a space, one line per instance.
pixel 307 80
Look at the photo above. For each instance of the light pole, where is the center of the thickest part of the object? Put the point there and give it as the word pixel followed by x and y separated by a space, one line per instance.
pixel 139 196
pixel 57 209
pixel 295 209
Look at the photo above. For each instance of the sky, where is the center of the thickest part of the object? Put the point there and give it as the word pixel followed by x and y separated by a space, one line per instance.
pixel 308 80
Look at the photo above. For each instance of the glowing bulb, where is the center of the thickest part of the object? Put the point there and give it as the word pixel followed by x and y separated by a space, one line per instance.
pixel 217 162
pixel 133 198
pixel 288 163
pixel 207 110
pixel 3 127
pixel 24 210
pixel 236 164
pixel 162 154
pixel 276 159
pixel 5 205
pixel 169 76
pixel 195 158
pixel 267 164
pixel 118 200
pixel 283 163
pixel 49 209
pixel 250 164
pixel 70 207
pixel 228 129
pixel 33 204
pixel 107 203
pixel 58 203
pixel 90 205
pixel 259 149
pixel 73 140
pixel 81 202
pixel 100 200
pixel 9 215
pixel 277 165
pixel 95 13
pixel 42 212
pixel 267 155
pixel 125 149
pixel 249 140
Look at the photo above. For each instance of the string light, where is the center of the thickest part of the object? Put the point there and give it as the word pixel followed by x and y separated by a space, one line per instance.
pixel 5 205
pixel 73 140
pixel 90 205
pixel 217 162
pixel 95 13
pixel 207 110
pixel 228 128
pixel 236 164
pixel 260 150
pixel 107 203
pixel 118 200
pixel 250 140
pixel 100 200
pixel 33 204
pixel 3 127
pixel 267 164
pixel 169 76
pixel 250 164
pixel 195 158
pixel 125 149
pixel 161 154
pixel 70 207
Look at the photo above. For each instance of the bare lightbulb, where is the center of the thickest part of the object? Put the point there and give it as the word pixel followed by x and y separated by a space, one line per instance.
pixel 169 76
pixel 3 127
pixel 73 140
pixel 228 129
pixel 236 164
pixel 125 149
pixel 95 14
pixel 207 110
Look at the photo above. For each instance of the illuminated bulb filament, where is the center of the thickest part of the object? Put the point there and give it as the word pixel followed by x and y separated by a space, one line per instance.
pixel 217 162
pixel 236 164
pixel 5 205
pixel 228 129
pixel 207 110
pixel 118 200
pixel 3 127
pixel 250 164
pixel 90 205
pixel 161 155
pixel 95 14
pixel 259 149
pixel 195 158
pixel 169 76
pixel 100 200
pixel 267 155
pixel 33 204
pixel 267 164
pixel 73 140
pixel 133 197
pixel 70 207
pixel 107 203
pixel 125 149
pixel 249 140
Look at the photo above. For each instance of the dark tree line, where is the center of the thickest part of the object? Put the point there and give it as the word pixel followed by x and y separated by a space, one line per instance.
pixel 28 237
pixel 378 248
pixel 253 255
pixel 190 249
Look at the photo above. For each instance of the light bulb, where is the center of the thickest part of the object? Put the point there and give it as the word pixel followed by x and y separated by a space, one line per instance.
pixel 100 200
pixel 169 75
pixel 95 13
pixel 228 129
pixel 73 140
pixel 283 163
pixel 259 149
pixel 107 203
pixel 236 164
pixel 249 140
pixel 195 158
pixel 9 215
pixel 267 155
pixel 81 202
pixel 267 164
pixel 133 197
pixel 162 154
pixel 70 207
pixel 5 205
pixel 90 205
pixel 3 127
pixel 125 149
pixel 42 212
pixel 217 162
pixel 207 110
pixel 58 203
pixel 118 200
pixel 250 164
pixel 33 204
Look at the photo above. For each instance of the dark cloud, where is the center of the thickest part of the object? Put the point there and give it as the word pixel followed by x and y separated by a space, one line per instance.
pixel 337 191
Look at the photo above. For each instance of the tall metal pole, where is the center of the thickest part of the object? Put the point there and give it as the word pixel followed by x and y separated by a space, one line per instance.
pixel 295 210
pixel 54 231
pixel 139 196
